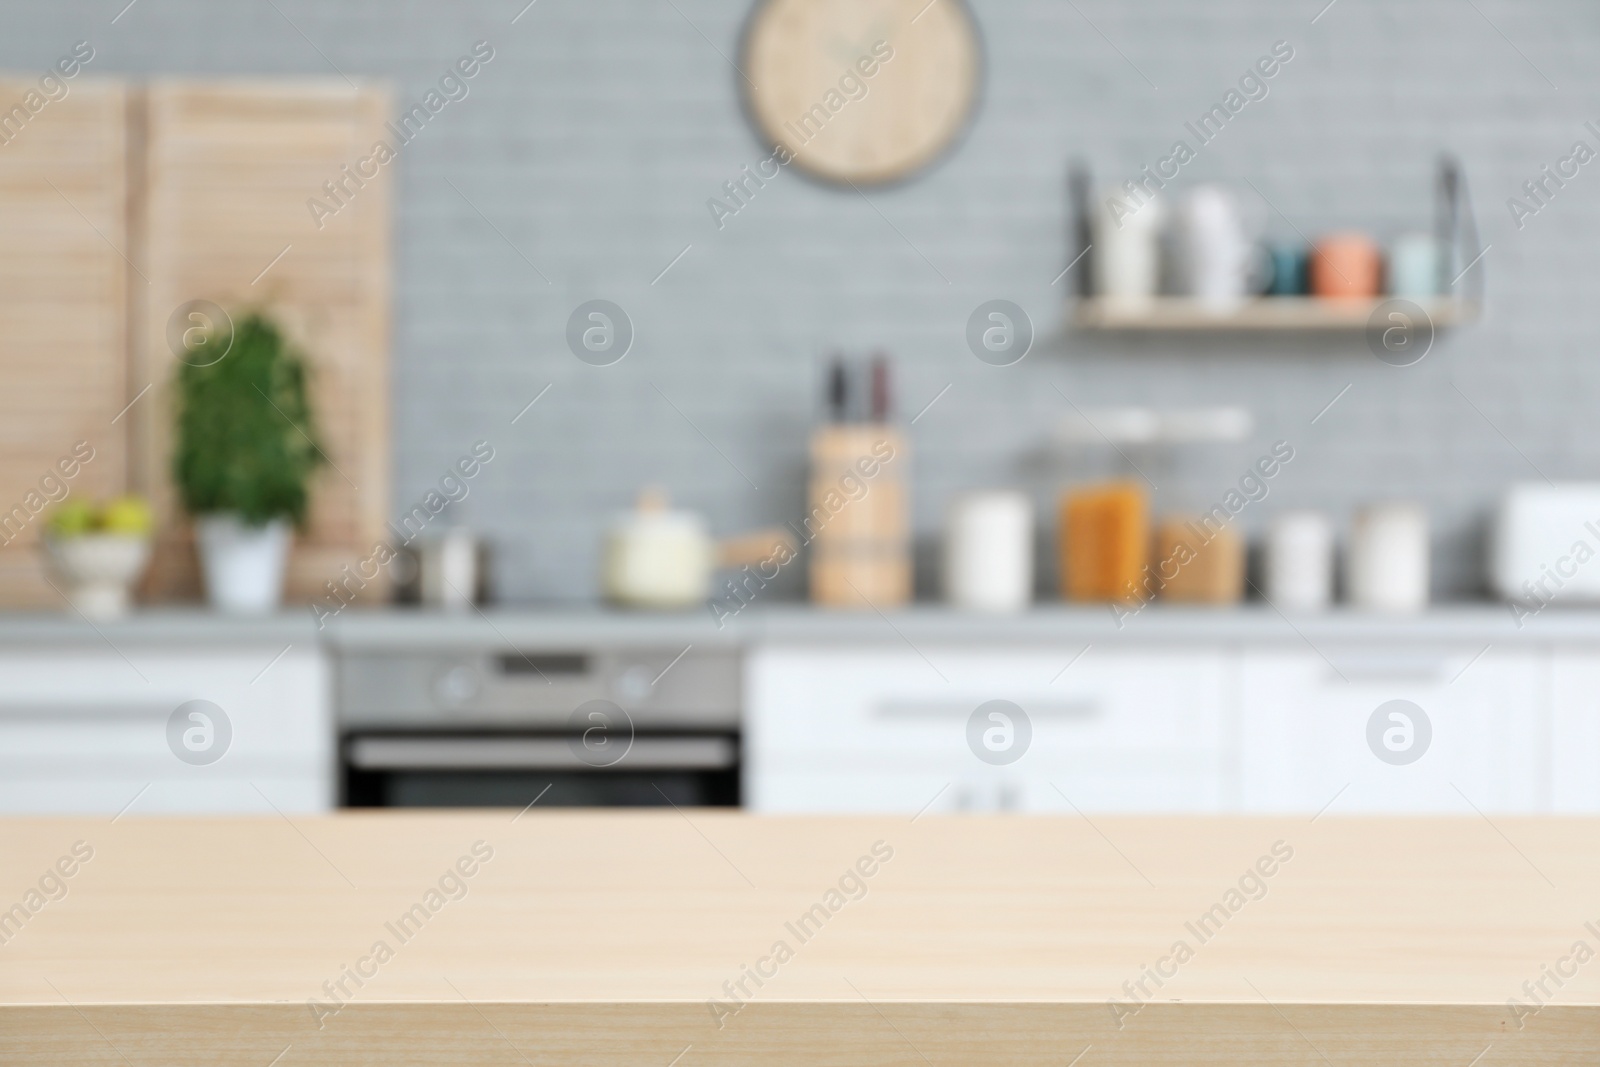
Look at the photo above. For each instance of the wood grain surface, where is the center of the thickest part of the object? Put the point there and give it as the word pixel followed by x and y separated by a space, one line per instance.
pixel 621 938
pixel 64 281
pixel 228 169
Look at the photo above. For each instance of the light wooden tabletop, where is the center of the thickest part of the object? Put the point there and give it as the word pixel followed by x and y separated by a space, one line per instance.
pixel 727 916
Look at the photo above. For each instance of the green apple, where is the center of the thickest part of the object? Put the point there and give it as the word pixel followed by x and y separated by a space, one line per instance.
pixel 127 515
pixel 71 519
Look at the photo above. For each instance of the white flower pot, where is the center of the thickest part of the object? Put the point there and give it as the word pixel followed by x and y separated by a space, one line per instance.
pixel 243 565
pixel 99 569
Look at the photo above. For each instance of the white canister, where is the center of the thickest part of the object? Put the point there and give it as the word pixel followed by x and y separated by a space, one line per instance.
pixel 450 571
pixel 1388 558
pixel 988 551
pixel 1127 246
pixel 1299 561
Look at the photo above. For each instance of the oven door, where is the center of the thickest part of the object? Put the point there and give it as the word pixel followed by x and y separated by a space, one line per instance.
pixel 499 769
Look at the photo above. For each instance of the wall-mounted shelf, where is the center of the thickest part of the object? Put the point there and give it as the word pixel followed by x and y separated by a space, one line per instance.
pixel 1289 313
pixel 1460 280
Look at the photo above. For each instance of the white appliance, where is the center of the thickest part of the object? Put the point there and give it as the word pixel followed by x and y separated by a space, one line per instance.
pixel 1545 541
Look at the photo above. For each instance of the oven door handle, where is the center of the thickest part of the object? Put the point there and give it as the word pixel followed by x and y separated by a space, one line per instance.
pixel 539 754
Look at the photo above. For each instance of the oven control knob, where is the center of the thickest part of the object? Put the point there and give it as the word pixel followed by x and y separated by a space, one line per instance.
pixel 633 685
pixel 456 687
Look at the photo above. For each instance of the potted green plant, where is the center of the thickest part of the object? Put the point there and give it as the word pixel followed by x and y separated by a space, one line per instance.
pixel 245 452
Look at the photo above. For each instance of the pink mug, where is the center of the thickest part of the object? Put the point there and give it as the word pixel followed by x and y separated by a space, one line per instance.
pixel 1345 266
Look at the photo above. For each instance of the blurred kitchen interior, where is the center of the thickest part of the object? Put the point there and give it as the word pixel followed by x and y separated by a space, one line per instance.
pixel 888 406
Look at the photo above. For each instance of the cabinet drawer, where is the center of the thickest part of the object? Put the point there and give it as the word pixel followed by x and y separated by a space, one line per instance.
pixel 894 705
pixel 1575 731
pixel 84 731
pixel 884 729
pixel 195 792
pixel 281 709
pixel 1304 730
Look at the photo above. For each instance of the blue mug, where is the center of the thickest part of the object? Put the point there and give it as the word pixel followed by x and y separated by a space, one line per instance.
pixel 1289 275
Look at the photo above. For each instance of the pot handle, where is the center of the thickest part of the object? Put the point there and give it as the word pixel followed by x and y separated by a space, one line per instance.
pixel 747 550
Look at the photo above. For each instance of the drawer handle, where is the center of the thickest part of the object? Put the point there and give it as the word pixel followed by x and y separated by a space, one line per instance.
pixel 918 709
pixel 91 711
pixel 1427 671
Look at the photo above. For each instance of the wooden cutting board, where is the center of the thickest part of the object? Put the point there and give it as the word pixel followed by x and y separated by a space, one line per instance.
pixel 117 207
pixel 225 174
pixel 63 316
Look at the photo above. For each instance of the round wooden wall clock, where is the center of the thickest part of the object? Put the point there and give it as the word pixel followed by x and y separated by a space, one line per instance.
pixel 861 91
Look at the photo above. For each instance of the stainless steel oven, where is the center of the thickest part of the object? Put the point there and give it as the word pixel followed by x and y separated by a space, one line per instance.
pixel 498 726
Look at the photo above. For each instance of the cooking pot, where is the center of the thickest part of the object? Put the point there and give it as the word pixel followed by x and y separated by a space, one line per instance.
pixel 657 556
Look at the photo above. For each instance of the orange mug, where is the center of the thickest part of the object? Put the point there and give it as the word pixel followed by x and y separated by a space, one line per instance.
pixel 1346 265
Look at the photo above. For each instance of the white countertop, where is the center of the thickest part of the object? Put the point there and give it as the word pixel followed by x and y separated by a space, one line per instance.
pixel 580 626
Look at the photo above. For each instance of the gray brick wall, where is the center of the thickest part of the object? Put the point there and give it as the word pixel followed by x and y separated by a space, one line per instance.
pixel 597 134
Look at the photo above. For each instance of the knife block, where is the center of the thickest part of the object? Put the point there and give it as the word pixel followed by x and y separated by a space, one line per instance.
pixel 858 523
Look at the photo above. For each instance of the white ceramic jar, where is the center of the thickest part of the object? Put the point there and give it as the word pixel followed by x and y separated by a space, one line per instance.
pixel 1389 558
pixel 1299 561
pixel 988 551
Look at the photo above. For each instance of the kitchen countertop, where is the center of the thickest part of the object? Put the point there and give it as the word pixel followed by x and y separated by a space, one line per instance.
pixel 579 626
pixel 181 627
pixel 593 938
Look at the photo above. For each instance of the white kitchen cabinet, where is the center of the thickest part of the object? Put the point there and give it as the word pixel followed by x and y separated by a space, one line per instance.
pixel 1249 726
pixel 86 730
pixel 885 729
pixel 1304 729
pixel 1575 731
